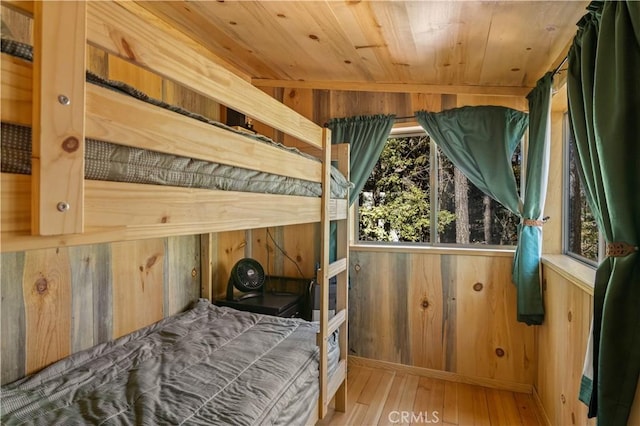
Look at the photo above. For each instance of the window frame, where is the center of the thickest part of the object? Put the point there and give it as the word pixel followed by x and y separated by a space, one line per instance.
pixel 566 171
pixel 414 129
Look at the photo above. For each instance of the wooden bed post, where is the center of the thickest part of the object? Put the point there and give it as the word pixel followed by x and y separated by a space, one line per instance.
pixel 207 242
pixel 336 385
pixel 58 117
pixel 323 273
pixel 340 153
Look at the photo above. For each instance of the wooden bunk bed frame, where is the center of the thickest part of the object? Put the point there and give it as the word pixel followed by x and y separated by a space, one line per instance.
pixel 56 206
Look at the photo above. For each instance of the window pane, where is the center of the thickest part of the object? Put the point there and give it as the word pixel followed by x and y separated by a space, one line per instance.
pixel 466 215
pixel 582 231
pixel 394 204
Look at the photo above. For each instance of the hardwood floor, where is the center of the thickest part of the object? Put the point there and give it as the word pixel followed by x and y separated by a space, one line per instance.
pixel 386 397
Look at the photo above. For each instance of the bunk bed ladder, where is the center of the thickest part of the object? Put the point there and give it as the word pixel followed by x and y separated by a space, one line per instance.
pixel 336 385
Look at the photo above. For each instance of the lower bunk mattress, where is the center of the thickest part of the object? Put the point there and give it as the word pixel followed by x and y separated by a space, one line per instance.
pixel 210 365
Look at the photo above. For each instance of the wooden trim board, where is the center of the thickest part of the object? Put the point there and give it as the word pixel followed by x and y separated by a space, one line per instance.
pixel 442 375
pixel 540 407
pixel 165 211
pixel 360 86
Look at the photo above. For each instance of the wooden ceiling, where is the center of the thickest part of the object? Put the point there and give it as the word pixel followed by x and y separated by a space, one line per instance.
pixel 499 47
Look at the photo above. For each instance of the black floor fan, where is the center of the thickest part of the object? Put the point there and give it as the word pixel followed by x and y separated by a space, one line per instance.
pixel 247 275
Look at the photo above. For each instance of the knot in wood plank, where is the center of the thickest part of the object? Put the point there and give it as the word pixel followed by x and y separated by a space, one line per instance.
pixel 71 144
pixel 151 261
pixel 41 285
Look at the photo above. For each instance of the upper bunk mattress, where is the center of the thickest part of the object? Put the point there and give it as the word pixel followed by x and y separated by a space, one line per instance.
pixel 209 365
pixel 112 162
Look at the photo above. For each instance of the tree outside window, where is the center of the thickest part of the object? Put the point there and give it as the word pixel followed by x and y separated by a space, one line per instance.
pixel 582 239
pixel 416 195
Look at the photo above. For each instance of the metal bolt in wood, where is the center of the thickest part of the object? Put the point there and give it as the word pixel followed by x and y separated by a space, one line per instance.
pixel 64 100
pixel 63 206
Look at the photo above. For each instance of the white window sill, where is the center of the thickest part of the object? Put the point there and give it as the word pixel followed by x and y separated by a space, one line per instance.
pixel 424 249
pixel 576 272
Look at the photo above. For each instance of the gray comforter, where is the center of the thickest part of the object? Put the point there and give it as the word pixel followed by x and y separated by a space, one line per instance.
pixel 209 365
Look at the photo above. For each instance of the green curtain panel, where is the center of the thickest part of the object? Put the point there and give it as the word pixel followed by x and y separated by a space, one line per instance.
pixel 480 141
pixel 526 262
pixel 366 136
pixel 603 86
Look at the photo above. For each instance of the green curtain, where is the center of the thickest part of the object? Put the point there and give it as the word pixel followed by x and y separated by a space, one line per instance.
pixel 366 136
pixel 526 262
pixel 480 141
pixel 603 85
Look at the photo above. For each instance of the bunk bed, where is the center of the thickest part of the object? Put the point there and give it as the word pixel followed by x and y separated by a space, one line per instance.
pixel 57 205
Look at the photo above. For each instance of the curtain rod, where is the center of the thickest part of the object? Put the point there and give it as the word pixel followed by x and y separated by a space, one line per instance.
pixel 395 118
pixel 564 61
pixel 594 6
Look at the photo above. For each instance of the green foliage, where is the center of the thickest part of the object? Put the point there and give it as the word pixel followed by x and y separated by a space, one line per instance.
pixel 404 217
pixel 582 231
pixel 395 204
pixel 589 231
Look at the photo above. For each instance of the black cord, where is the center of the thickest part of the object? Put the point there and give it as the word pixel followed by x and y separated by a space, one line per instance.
pixel 266 247
pixel 283 252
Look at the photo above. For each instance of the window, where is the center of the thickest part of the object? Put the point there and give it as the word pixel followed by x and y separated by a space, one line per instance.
pixel 581 239
pixel 416 195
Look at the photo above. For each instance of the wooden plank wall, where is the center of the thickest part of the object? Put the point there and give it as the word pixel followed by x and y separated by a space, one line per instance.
pixel 447 312
pixel 562 340
pixel 56 302
pixel 280 251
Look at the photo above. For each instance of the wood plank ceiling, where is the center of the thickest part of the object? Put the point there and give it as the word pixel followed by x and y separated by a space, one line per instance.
pixel 503 46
